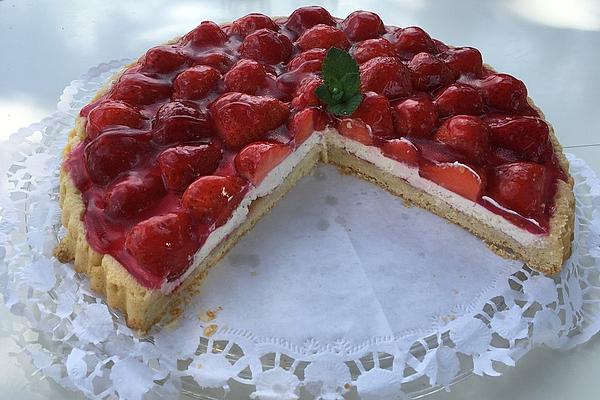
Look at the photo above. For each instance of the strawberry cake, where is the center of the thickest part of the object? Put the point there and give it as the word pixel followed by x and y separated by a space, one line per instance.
pixel 185 149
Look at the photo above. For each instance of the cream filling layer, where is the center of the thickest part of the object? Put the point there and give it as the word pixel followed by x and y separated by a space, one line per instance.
pixel 411 175
pixel 331 137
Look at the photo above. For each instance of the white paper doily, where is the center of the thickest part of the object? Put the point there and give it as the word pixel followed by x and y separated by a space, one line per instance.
pixel 327 296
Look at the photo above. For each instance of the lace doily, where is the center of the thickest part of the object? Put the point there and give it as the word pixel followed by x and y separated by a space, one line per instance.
pixel 81 344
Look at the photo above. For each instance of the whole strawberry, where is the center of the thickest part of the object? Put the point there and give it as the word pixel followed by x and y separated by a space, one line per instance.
pixel 240 119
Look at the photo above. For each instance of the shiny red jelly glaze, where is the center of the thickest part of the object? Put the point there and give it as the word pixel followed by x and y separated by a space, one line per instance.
pixel 165 104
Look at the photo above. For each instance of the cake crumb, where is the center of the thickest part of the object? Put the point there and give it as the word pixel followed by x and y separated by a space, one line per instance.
pixel 210 330
pixel 176 311
pixel 347 386
pixel 210 314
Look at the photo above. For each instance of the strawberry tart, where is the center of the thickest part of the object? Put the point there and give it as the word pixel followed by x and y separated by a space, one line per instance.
pixel 185 149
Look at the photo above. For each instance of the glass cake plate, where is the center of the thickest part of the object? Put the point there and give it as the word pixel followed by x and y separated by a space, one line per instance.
pixel 340 291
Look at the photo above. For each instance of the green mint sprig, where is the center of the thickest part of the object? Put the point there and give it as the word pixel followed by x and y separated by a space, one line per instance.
pixel 341 83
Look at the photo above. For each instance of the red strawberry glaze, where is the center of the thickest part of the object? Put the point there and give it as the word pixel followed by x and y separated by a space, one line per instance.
pixel 286 88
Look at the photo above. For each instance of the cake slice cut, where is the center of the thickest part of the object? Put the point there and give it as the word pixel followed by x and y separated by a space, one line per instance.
pixel 187 148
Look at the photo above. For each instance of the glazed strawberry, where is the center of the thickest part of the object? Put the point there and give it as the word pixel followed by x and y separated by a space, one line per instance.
pixel 240 118
pixel 357 130
pixel 463 60
pixel 182 164
pixel 163 59
pixel 207 34
pixel 251 23
pixel 132 195
pixel 195 82
pixel 439 46
pixel 305 94
pixel 180 122
pixel 109 155
pixel 458 178
pixel 323 37
pixel 520 187
pixel 112 113
pixel 503 92
pixel 211 199
pixel 255 161
pixel 362 25
pixel 308 61
pixel 386 76
pixel 428 72
pixel 415 117
pixel 467 135
pixel 401 150
pixel 498 156
pixel 413 40
pixel 135 88
pixel 527 136
pixel 164 245
pixel 459 99
pixel 307 17
pixel 307 121
pixel 218 60
pixel 247 76
pixel 267 47
pixel 375 111
pixel 438 152
pixel 371 48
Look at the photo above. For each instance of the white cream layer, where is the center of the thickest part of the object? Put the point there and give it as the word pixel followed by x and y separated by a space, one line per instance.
pixel 411 175
pixel 330 137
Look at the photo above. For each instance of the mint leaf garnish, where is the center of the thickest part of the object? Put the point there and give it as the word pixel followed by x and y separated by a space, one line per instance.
pixel 341 83
pixel 347 107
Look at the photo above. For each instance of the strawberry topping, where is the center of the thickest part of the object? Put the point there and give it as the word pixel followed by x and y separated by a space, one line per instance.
pixel 386 76
pixel 459 99
pixel 413 40
pixel 520 186
pixel 376 112
pixel 172 147
pixel 251 23
pixel 247 76
pixel 401 150
pixel 356 129
pixel 371 48
pixel 163 59
pixel 307 121
pixel 164 244
pixel 180 165
pixel 362 25
pixel 467 135
pixel 308 61
pixel 266 46
pixel 132 195
pixel 110 114
pixel 458 178
pixel 195 83
pixel 180 122
pixel 307 17
pixel 415 117
pixel 323 37
pixel 256 160
pixel 211 199
pixel 240 119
